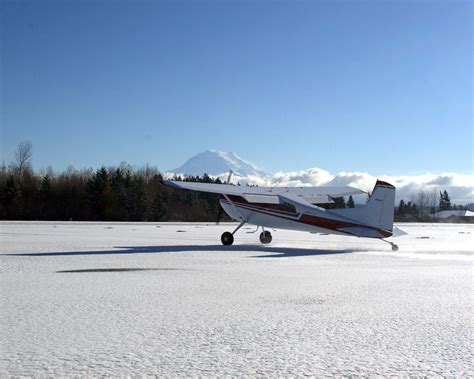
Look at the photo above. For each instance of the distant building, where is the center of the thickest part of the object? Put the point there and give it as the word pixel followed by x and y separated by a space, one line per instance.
pixel 454 216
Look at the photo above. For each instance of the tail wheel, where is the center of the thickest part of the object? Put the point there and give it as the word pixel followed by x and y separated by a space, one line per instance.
pixel 227 238
pixel 265 237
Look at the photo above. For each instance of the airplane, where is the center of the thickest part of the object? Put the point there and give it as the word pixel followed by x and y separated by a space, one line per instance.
pixel 295 208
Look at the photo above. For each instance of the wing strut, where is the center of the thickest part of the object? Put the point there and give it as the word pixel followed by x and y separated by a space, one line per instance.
pixel 233 206
pixel 240 225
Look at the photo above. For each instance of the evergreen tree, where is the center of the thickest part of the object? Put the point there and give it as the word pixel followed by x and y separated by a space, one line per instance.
pixel 136 199
pixel 46 185
pixel 401 207
pixel 350 202
pixel 99 194
pixel 118 207
pixel 45 199
pixel 206 179
pixel 444 201
pixel 9 198
pixel 157 208
pixel 447 200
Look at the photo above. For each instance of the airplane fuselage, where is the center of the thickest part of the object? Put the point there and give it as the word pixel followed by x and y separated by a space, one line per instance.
pixel 285 216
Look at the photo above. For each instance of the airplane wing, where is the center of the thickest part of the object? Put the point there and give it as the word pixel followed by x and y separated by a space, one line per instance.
pixel 270 195
pixel 227 189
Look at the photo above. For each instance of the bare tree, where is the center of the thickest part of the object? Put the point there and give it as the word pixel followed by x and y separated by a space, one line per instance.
pixel 422 202
pixel 23 155
pixel 433 200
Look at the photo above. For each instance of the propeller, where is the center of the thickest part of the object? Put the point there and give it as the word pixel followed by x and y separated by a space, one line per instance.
pixel 229 177
pixel 220 211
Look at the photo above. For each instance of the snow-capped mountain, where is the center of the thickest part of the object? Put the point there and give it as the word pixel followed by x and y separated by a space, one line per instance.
pixel 216 162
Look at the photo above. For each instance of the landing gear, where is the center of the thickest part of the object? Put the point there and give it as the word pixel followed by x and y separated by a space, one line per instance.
pixel 227 238
pixel 265 237
pixel 394 247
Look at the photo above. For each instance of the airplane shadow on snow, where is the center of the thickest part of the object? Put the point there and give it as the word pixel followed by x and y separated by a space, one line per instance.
pixel 267 251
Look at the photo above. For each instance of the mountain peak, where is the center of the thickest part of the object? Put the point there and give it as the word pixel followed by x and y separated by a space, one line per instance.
pixel 216 162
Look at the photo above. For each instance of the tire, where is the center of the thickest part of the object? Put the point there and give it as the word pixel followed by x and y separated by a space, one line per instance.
pixel 394 248
pixel 265 237
pixel 227 239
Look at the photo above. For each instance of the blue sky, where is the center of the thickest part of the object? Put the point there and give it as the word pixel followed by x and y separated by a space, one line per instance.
pixel 381 87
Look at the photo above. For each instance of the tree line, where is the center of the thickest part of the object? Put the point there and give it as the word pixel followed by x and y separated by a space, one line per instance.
pixel 124 193
pixel 423 205
pixel 108 194
pixel 120 193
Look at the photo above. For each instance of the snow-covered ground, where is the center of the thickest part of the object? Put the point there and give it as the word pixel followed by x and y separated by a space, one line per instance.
pixel 146 298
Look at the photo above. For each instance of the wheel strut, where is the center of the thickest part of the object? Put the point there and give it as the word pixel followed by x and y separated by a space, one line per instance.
pixel 394 246
pixel 238 227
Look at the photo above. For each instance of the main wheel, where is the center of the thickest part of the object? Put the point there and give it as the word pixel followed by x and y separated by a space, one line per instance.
pixel 265 237
pixel 227 238
pixel 394 247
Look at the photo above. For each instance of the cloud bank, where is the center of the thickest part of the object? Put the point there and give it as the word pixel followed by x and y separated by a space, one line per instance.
pixel 460 187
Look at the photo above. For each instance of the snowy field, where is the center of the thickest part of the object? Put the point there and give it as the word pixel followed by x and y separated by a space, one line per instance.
pixel 95 299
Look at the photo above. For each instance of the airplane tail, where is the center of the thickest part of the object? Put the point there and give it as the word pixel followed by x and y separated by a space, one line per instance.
pixel 377 213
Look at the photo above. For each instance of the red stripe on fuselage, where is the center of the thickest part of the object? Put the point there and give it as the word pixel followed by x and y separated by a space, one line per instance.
pixel 331 224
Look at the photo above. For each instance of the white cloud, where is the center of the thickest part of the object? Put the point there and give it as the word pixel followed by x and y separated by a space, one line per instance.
pixel 310 177
pixel 359 180
pixel 460 187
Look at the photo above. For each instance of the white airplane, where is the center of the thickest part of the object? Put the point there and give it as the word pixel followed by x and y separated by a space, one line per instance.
pixel 294 208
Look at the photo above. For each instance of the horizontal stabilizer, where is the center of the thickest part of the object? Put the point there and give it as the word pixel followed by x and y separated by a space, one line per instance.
pixel 397 232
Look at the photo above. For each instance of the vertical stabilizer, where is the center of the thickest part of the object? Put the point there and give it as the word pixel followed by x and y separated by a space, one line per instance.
pixel 380 207
pixel 378 212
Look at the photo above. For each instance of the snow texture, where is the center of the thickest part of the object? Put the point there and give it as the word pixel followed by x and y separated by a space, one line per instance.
pixel 107 299
pixel 216 162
